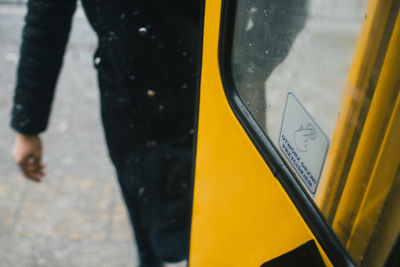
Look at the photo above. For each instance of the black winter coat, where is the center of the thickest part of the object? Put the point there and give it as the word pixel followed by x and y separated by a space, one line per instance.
pixel 147 66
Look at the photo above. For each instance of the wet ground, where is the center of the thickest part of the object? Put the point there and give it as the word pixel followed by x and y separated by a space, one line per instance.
pixel 75 217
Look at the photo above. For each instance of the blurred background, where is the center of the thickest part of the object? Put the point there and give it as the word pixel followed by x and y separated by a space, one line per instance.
pixel 76 216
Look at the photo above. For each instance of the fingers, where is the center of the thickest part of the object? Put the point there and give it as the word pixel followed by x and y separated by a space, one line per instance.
pixel 35 169
pixel 32 168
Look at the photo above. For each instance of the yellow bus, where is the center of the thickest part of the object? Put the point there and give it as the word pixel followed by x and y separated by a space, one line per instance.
pixel 298 134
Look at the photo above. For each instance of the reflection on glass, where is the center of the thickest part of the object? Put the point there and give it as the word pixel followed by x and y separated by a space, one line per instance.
pixel 264 34
pixel 305 47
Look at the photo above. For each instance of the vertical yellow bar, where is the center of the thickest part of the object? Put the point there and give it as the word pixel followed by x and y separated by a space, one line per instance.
pixel 387 229
pixel 356 100
pixel 380 140
pixel 370 143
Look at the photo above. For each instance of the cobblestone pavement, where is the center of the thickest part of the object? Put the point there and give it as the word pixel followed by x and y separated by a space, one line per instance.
pixel 75 217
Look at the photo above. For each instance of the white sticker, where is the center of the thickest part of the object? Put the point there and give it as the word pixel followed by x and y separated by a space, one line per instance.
pixel 303 143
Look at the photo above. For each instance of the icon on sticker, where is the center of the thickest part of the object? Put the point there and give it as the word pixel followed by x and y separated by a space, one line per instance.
pixel 303 135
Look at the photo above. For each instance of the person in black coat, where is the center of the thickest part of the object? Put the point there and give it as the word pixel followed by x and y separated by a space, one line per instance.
pixel 147 70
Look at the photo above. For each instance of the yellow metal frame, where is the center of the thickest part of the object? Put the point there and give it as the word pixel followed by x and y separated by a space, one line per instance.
pixel 363 162
pixel 241 214
pixel 377 159
pixel 360 86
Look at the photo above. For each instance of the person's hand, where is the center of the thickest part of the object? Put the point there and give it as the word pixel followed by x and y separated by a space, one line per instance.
pixel 27 153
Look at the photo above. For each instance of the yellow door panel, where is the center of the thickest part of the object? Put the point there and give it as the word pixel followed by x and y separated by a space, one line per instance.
pixel 241 214
pixel 247 213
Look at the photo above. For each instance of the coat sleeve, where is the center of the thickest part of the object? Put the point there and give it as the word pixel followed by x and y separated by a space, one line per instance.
pixel 44 38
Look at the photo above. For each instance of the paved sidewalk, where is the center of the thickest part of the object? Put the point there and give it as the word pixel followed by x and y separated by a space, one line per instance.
pixel 76 216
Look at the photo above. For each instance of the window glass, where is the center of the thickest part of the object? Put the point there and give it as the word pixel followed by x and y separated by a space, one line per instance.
pixel 300 46
pixel 291 61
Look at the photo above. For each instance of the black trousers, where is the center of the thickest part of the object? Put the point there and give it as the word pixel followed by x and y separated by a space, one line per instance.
pixel 157 245
pixel 154 166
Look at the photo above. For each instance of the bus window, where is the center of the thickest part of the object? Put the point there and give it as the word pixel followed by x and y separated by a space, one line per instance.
pixel 299 47
pixel 321 80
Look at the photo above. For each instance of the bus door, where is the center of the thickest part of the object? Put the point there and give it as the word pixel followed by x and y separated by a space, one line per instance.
pixel 297 158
